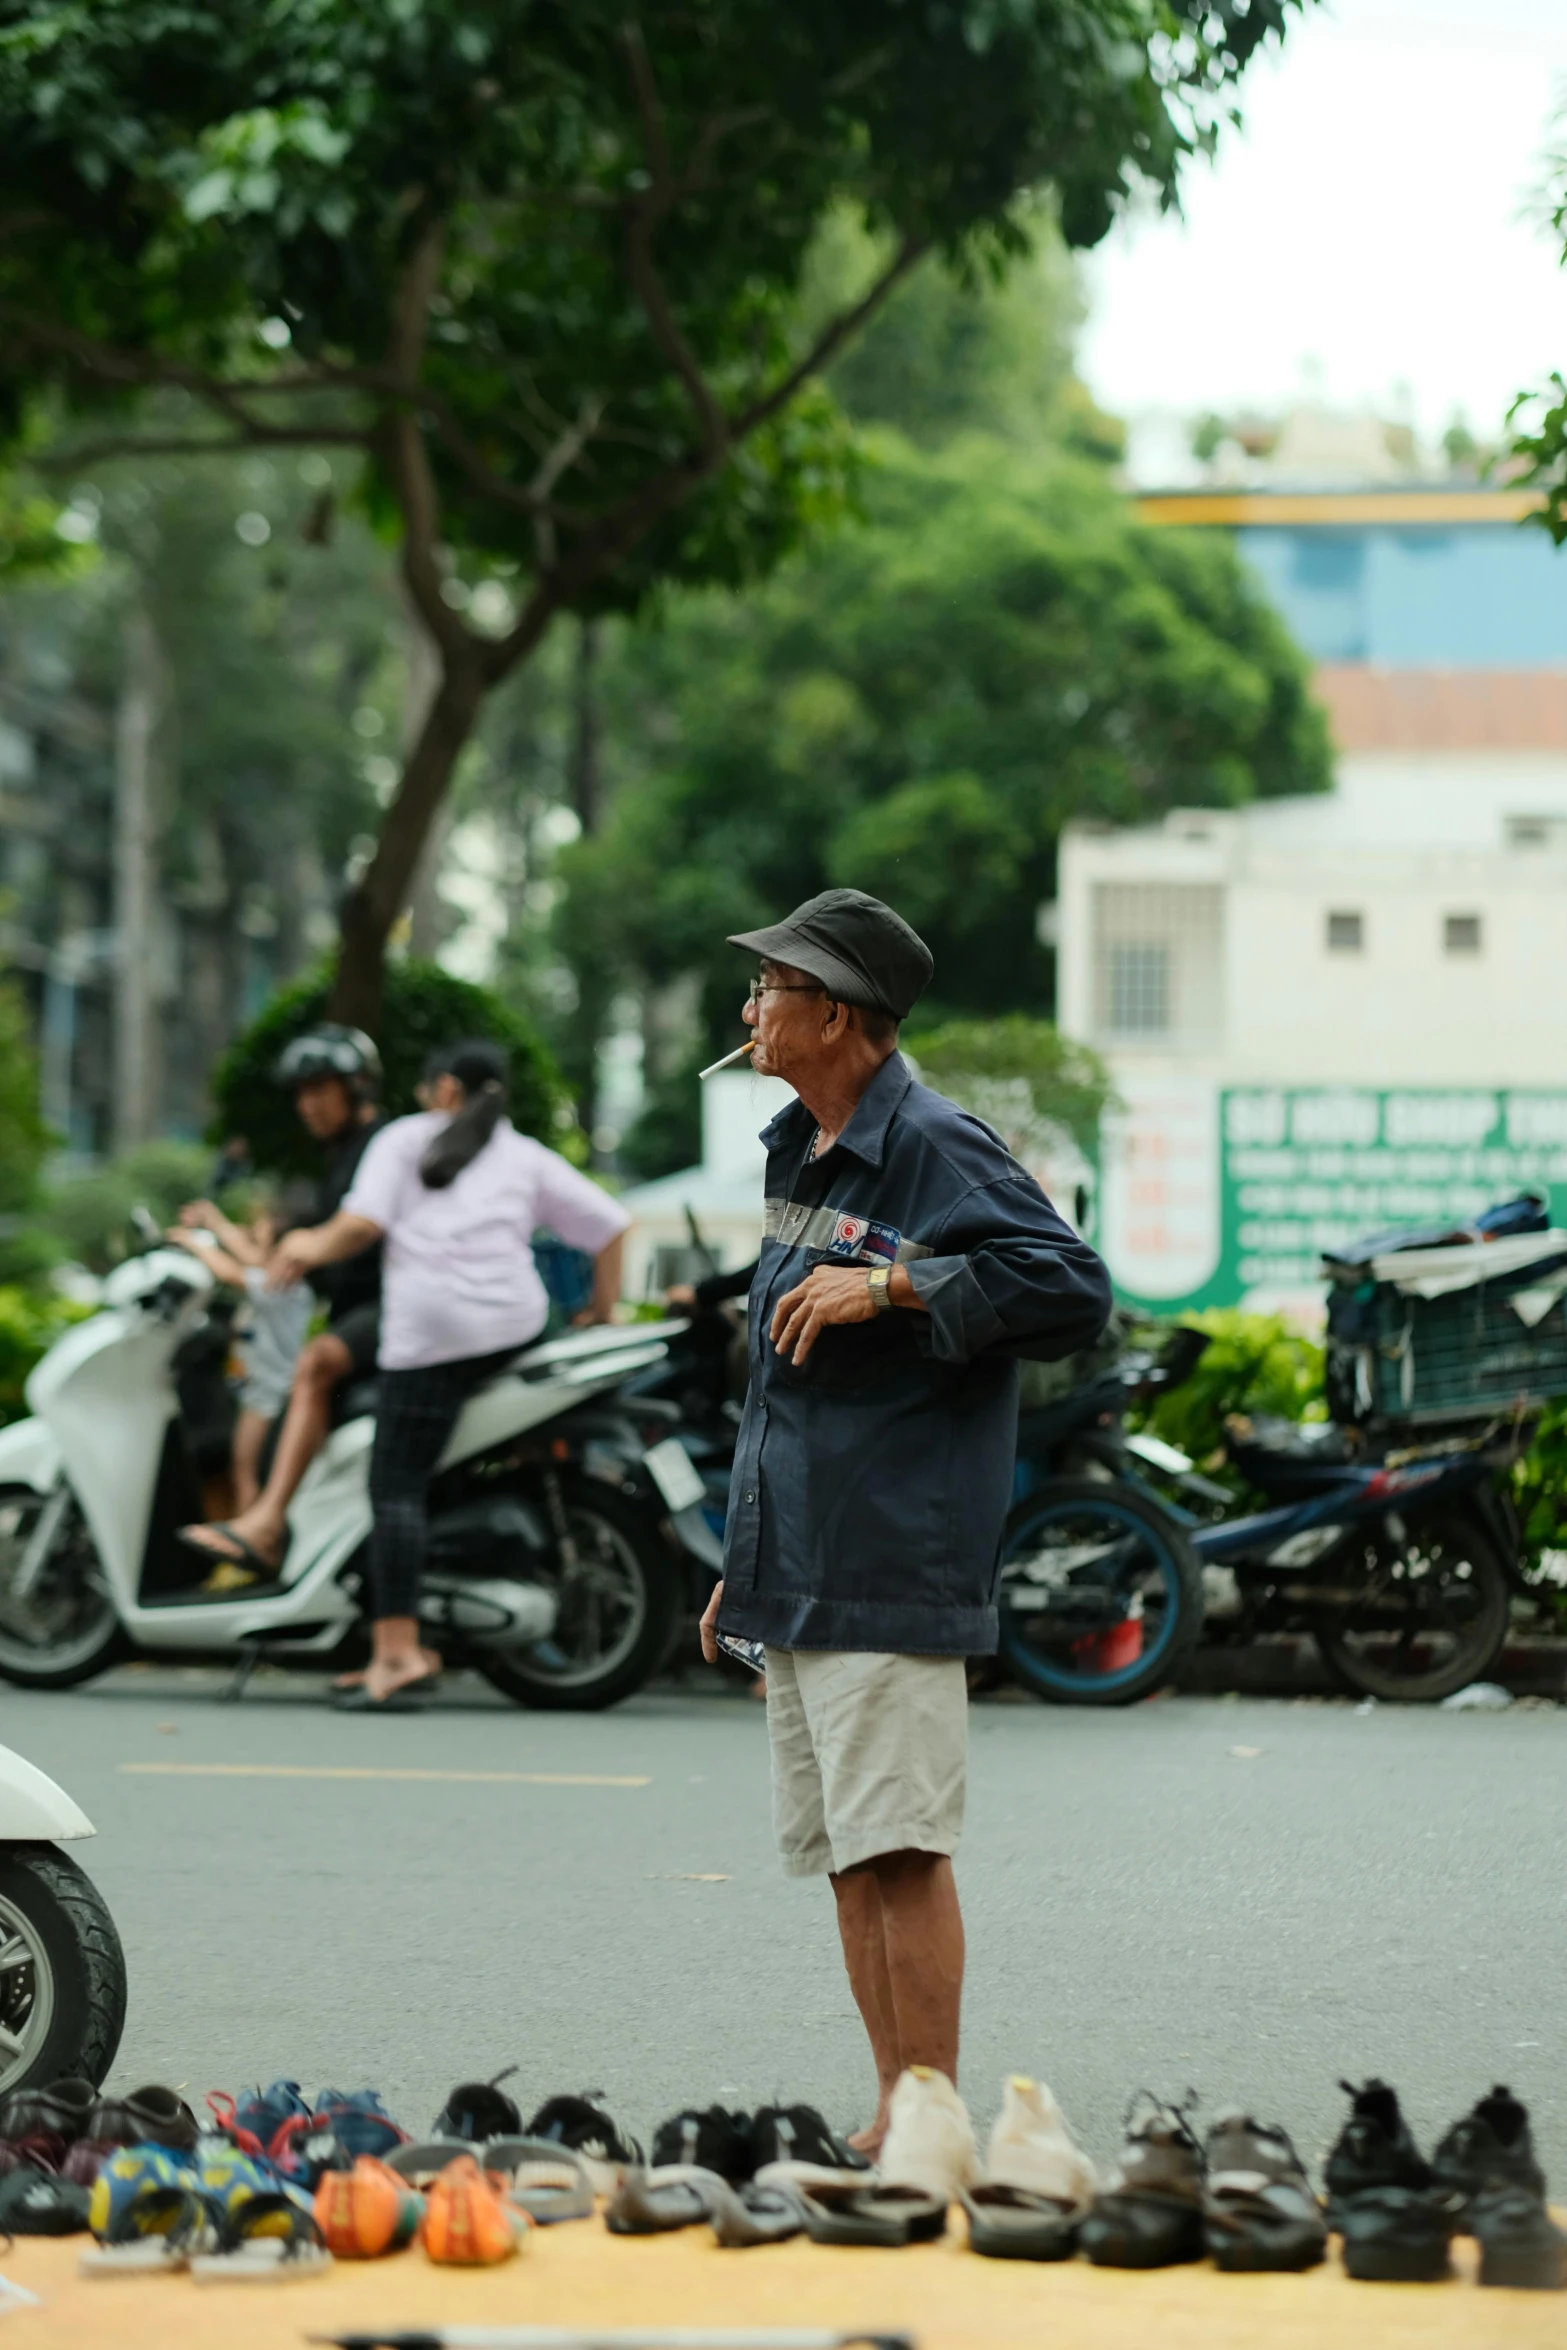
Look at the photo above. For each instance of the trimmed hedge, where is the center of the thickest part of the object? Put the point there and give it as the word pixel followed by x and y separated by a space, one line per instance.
pixel 424 1006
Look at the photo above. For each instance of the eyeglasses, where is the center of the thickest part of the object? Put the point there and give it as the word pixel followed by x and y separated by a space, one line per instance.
pixel 760 987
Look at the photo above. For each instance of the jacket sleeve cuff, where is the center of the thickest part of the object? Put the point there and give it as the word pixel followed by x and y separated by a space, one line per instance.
pixel 959 1319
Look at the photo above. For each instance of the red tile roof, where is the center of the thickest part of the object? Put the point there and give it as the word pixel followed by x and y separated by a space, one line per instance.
pixel 1444 709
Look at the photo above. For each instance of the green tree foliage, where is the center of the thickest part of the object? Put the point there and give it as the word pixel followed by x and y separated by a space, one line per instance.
pixel 918 706
pixel 24 1138
pixel 424 1007
pixel 1256 1364
pixel 1021 1076
pixel 534 262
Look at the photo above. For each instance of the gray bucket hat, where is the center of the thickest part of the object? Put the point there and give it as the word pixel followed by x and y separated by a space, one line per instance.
pixel 861 951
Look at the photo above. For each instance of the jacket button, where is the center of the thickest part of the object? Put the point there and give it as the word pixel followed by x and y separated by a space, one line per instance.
pixel 750 1497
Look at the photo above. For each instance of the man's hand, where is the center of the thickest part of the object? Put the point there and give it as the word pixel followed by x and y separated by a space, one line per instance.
pixel 709 1625
pixel 830 1294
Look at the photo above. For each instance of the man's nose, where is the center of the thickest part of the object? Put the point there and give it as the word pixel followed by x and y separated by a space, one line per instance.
pixel 750 1011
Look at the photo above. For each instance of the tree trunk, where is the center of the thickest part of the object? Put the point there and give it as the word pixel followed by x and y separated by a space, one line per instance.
pixel 373 905
pixel 585 780
pixel 135 888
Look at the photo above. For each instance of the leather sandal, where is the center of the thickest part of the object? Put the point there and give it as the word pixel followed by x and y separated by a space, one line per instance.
pixel 656 2202
pixel 546 2181
pixel 1009 2223
pixel 872 2215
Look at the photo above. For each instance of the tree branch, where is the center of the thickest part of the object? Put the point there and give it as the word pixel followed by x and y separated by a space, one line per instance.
pixel 646 213
pixel 832 339
pixel 408 460
pixel 72 459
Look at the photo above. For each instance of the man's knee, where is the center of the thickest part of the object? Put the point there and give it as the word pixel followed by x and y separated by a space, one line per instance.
pixel 908 1866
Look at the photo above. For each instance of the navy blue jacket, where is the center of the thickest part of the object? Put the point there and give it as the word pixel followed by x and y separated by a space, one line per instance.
pixel 870 1485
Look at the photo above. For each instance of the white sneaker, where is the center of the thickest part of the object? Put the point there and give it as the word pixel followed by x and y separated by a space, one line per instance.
pixel 1031 2146
pixel 930 2139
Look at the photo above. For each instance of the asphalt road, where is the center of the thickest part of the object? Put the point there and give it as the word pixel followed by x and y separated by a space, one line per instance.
pixel 1252 1896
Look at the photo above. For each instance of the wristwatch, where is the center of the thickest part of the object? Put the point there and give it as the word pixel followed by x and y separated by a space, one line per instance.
pixel 876 1281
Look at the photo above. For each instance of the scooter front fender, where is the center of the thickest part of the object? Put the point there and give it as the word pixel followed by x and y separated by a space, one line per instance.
pixel 29 1455
pixel 33 1810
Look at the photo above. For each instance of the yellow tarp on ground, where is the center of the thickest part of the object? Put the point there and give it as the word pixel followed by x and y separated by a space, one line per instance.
pixel 577 2274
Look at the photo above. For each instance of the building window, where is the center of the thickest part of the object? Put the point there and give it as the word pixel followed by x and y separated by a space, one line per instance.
pixel 1461 934
pixel 1346 933
pixel 1535 832
pixel 1158 962
pixel 1139 989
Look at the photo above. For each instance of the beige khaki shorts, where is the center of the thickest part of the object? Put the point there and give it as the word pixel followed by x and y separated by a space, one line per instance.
pixel 870 1755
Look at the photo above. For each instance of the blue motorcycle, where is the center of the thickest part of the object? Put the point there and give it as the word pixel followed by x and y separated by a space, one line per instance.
pixel 1401 1564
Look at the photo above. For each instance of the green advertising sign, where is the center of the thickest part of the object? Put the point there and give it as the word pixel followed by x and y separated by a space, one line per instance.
pixel 1213 1194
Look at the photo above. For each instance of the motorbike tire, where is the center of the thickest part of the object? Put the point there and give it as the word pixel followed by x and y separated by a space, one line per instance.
pixel 1479 1635
pixel 1122 1512
pixel 543 1676
pixel 85 1657
pixel 75 1965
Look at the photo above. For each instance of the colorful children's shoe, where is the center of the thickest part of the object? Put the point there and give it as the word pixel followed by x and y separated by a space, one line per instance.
pixel 147 2211
pixel 367 2211
pixel 255 2118
pixel 234 2184
pixel 467 2224
pixel 359 2122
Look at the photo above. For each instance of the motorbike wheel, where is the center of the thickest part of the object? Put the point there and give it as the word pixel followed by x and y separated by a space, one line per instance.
pixel 618 1610
pixel 62 1971
pixel 67 1629
pixel 1100 1593
pixel 1434 1619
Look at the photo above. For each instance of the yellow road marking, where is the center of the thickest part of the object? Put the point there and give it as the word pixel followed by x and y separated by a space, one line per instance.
pixel 179 1770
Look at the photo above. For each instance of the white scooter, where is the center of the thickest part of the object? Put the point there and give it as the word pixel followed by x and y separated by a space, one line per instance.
pixel 62 1971
pixel 563 1525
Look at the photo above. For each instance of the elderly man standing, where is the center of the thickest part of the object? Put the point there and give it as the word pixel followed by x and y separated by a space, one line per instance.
pixel 907 1261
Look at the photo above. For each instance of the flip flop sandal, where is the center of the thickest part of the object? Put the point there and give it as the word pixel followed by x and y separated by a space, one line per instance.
pixel 758 2215
pixel 423 2164
pixel 244 1554
pixel 656 2202
pixel 873 2215
pixel 1008 2223
pixel 411 1698
pixel 544 2180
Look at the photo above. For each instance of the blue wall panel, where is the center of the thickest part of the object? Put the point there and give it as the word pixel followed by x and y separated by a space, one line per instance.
pixel 1484 596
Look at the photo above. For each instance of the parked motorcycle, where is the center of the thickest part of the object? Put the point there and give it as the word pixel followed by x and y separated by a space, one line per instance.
pixel 62 1971
pixel 558 1535
pixel 1400 1565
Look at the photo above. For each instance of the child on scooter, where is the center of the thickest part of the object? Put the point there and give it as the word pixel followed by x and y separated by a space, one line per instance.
pixel 276 1320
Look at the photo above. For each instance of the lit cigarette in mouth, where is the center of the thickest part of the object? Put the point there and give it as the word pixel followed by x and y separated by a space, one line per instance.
pixel 729 1059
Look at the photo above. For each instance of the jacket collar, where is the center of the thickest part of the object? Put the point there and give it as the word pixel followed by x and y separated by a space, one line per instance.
pixel 866 1133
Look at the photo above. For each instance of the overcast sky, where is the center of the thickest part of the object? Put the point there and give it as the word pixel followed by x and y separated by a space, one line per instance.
pixel 1367 227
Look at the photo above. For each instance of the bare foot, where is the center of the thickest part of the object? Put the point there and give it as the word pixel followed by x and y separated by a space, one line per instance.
pixel 432 1664
pixel 385 1676
pixel 869 2140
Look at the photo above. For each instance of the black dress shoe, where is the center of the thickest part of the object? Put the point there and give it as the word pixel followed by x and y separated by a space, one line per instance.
pixel 479 2110
pixel 152 2116
pixel 1152 2216
pixel 62 2109
pixel 1396 2236
pixel 1520 2244
pixel 715 2140
pixel 1374 2148
pixel 1259 2212
pixel 1490 2147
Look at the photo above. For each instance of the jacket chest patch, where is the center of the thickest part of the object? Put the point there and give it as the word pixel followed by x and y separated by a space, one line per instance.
pixel 839 1234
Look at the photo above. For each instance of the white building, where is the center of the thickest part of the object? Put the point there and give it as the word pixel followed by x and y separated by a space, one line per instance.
pixel 723 1196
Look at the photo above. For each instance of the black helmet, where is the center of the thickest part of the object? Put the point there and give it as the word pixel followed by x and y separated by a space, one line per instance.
pixel 330 1050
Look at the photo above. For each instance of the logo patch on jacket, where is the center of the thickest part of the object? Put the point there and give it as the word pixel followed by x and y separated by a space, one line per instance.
pixel 882 1241
pixel 847 1234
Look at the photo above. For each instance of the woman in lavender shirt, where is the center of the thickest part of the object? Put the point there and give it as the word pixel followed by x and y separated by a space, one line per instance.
pixel 456 1193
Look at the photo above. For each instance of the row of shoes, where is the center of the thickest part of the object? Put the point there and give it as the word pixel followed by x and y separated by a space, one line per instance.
pixel 1242 2197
